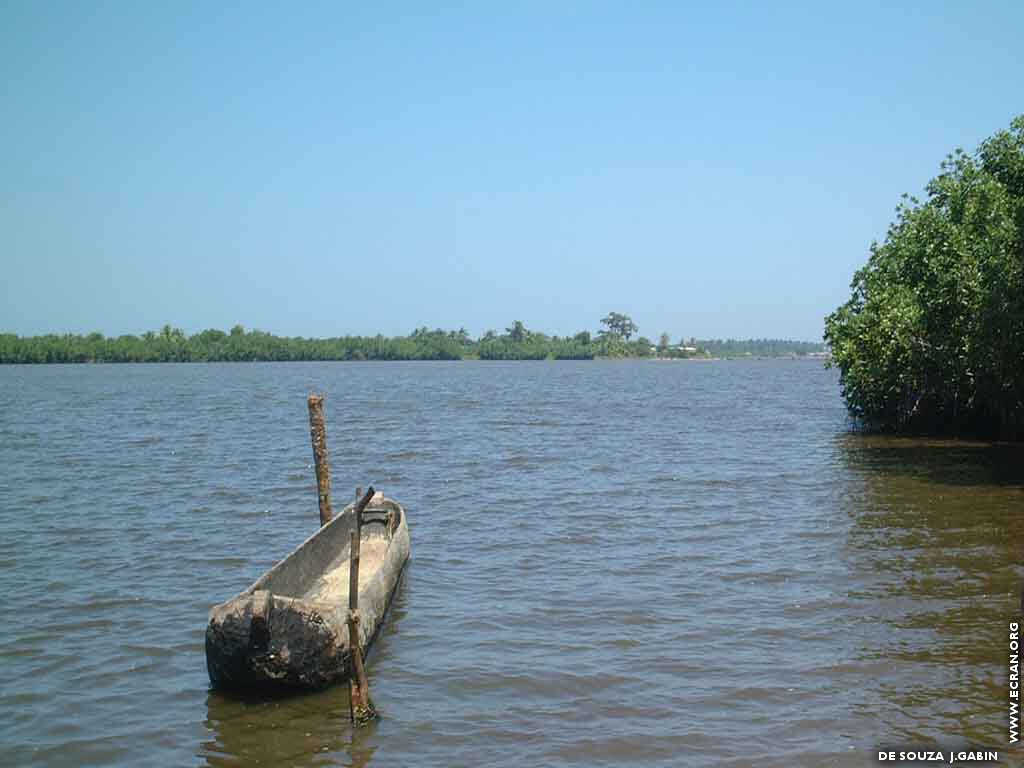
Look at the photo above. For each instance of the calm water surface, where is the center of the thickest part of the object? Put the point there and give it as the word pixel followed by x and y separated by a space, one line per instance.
pixel 623 564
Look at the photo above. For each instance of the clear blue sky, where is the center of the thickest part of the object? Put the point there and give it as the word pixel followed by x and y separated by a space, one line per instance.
pixel 317 169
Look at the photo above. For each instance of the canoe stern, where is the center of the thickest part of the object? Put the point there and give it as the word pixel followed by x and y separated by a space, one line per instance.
pixel 260 639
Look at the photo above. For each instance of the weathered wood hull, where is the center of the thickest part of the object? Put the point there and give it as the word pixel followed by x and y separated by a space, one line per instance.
pixel 288 629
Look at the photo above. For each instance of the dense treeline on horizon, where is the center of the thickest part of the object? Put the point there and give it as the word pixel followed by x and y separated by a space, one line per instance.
pixel 932 339
pixel 756 347
pixel 238 345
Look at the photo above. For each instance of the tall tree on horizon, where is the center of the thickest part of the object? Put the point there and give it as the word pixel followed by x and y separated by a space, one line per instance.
pixel 619 325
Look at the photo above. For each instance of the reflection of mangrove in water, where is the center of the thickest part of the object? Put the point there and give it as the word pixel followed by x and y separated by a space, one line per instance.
pixel 937 557
pixel 299 729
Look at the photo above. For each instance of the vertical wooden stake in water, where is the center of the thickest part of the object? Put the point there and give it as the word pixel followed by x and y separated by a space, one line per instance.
pixel 318 434
pixel 361 708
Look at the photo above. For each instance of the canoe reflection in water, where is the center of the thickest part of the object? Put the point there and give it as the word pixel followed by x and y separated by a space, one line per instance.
pixel 274 729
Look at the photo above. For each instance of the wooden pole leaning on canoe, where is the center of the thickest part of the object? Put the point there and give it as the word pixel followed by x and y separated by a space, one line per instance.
pixel 318 434
pixel 361 709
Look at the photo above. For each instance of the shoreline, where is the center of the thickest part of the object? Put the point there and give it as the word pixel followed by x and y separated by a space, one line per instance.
pixel 794 358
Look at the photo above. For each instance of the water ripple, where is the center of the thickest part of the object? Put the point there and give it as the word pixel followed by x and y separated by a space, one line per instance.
pixel 614 564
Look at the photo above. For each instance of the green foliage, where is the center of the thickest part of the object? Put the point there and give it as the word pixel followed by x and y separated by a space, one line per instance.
pixel 520 343
pixel 517 333
pixel 618 325
pixel 171 344
pixel 752 347
pixel 932 338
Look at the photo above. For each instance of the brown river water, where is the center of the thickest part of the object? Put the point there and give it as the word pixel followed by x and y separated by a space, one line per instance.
pixel 621 564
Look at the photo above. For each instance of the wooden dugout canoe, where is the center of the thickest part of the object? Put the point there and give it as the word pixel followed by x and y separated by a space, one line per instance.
pixel 288 630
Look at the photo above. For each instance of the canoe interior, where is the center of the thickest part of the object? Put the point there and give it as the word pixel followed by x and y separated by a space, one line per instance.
pixel 318 571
